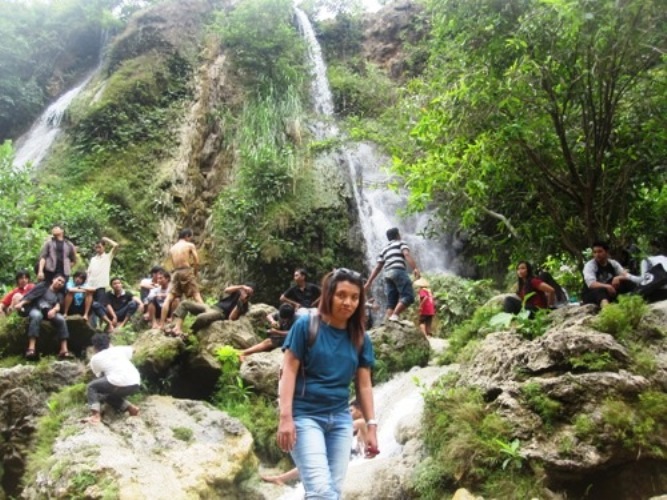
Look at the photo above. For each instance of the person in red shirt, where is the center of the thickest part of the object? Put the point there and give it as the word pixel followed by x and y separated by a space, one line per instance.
pixel 533 293
pixel 23 286
pixel 426 306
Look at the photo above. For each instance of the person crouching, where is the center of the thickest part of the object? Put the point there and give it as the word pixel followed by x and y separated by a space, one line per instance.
pixel 117 378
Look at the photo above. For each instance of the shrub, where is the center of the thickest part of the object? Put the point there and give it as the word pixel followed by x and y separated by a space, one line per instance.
pixel 469 331
pixel 458 298
pixel 619 319
pixel 547 408
pixel 593 362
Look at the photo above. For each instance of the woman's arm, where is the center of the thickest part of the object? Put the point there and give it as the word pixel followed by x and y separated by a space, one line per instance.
pixel 365 398
pixel 286 430
pixel 549 291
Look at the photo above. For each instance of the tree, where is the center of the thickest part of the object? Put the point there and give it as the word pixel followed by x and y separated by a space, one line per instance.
pixel 546 117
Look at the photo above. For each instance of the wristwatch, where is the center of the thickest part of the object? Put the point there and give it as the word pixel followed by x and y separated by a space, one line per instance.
pixel 372 421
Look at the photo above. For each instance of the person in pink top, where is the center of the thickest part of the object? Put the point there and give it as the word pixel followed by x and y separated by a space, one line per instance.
pixel 23 286
pixel 426 306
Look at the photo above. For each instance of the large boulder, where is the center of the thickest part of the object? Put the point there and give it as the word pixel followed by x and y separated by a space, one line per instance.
pixel 24 390
pixel 14 338
pixel 399 345
pixel 174 449
pixel 586 406
pixel 155 353
pixel 262 370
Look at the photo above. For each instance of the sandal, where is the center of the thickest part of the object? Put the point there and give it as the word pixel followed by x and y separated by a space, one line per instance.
pixel 30 355
pixel 65 355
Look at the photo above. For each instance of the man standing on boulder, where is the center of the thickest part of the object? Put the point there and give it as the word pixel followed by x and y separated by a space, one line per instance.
pixel 183 278
pixel 58 256
pixel 394 258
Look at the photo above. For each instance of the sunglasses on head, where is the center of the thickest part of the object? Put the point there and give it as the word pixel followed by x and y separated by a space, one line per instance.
pixel 343 271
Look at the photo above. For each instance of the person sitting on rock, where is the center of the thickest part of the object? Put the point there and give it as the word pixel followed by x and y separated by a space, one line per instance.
pixel 43 302
pixel 78 300
pixel 233 305
pixel 23 286
pixel 604 278
pixel 543 295
pixel 302 295
pixel 116 379
pixel 120 306
pixel 156 299
pixel 280 322
pixel 148 283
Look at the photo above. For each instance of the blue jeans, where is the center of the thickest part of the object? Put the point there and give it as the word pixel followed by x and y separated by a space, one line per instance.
pixel 322 452
pixel 397 286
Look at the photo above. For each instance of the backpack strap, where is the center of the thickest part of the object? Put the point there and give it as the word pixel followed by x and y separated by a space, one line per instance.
pixel 313 326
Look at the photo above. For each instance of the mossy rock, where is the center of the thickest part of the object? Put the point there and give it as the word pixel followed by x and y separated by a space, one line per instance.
pixel 398 347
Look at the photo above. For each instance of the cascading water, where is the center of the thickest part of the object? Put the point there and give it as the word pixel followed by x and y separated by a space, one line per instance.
pixel 32 147
pixel 379 207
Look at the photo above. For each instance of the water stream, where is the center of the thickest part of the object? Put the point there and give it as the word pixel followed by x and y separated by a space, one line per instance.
pixel 380 208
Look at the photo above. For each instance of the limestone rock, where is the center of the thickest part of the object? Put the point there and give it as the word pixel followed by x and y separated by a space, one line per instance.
pixel 24 390
pixel 262 370
pixel 239 334
pixel 400 345
pixel 175 449
pixel 14 338
pixel 155 353
pixel 257 316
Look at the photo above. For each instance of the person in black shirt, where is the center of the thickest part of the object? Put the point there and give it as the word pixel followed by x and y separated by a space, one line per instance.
pixel 43 303
pixel 280 322
pixel 120 306
pixel 303 294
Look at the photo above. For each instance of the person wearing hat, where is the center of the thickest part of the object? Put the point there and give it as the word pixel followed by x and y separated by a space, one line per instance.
pixel 426 306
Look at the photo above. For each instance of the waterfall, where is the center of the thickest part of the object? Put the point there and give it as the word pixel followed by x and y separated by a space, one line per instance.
pixel 33 146
pixel 379 207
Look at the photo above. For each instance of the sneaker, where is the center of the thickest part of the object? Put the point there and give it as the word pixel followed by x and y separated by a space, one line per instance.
pixel 394 317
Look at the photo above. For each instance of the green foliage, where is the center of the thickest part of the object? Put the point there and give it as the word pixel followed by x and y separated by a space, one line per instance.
pixel 259 415
pixel 547 408
pixel 366 93
pixel 27 212
pixel 263 43
pixel 531 116
pixel 469 445
pixel 458 298
pixel 643 358
pixel 183 433
pixel 593 362
pixel 230 388
pixel 471 330
pixel 584 426
pixel 529 324
pixel 47 46
pixel 637 426
pixel 622 317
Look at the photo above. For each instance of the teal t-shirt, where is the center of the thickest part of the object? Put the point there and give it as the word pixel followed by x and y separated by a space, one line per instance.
pixel 330 365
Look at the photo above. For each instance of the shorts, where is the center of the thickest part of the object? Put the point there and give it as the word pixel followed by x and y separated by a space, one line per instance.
pixel 277 341
pixel 426 320
pixel 183 283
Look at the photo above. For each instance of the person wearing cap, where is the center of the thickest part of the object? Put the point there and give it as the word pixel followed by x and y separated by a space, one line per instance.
pixel 426 306
pixel 394 258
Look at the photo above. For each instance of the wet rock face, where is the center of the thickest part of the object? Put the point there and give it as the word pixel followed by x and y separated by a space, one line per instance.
pixel 174 449
pixel 24 391
pixel 578 401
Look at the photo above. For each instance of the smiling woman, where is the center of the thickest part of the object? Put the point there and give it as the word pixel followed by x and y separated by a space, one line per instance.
pixel 315 424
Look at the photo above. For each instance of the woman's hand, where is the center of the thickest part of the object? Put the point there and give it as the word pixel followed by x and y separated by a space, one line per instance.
pixel 286 437
pixel 371 442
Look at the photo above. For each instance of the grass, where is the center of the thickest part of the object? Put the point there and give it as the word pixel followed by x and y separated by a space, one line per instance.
pixel 183 433
pixel 547 408
pixel 475 328
pixel 621 318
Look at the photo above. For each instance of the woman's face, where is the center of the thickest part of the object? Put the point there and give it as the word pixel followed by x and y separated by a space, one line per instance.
pixel 522 271
pixel 345 300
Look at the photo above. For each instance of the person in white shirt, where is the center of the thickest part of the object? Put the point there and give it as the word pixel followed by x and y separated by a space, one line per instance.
pixel 116 379
pixel 99 271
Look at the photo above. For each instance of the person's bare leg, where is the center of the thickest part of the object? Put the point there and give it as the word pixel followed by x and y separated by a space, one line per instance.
pixel 178 325
pixel 95 417
pixel 422 327
pixel 400 307
pixel 150 316
pixel 198 298
pixel 87 304
pixel 63 346
pixel 68 302
pixel 290 475
pixel 264 345
pixel 165 308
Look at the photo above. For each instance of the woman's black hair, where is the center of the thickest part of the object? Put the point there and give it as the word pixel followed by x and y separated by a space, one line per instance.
pixel 21 273
pixel 356 323
pixel 525 285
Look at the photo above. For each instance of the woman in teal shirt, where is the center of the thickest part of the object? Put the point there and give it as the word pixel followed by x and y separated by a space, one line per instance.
pixel 315 424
